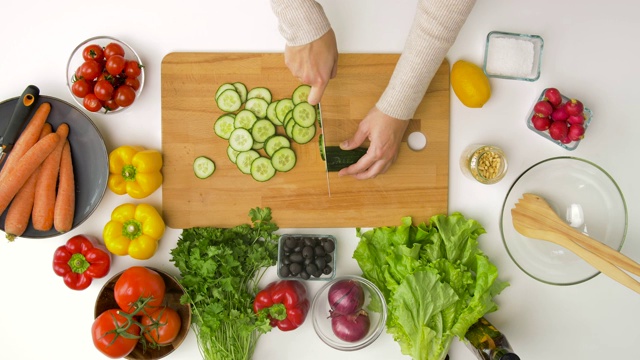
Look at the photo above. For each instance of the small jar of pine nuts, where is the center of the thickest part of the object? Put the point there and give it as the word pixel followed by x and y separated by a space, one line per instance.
pixel 485 163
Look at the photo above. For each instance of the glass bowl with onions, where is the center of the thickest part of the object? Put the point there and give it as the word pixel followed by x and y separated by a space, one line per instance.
pixel 349 313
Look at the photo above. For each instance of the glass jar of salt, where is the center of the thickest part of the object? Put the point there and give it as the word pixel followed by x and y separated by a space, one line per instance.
pixel 513 56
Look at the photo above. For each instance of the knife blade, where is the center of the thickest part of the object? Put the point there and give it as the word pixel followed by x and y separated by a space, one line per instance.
pixel 323 148
pixel 21 112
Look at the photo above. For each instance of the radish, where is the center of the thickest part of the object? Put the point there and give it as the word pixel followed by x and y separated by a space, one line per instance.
pixel 574 107
pixel 560 114
pixel 558 130
pixel 553 96
pixel 543 108
pixel 540 123
pixel 576 132
pixel 576 119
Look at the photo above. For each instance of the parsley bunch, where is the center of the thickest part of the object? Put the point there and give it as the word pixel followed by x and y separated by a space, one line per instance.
pixel 220 271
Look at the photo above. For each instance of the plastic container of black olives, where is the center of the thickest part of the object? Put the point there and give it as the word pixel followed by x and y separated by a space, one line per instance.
pixel 307 256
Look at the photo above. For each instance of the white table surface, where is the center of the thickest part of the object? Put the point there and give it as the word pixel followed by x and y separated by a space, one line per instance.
pixel 590 51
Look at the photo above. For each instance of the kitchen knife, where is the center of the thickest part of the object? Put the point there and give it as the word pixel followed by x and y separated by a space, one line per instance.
pixel 323 148
pixel 21 112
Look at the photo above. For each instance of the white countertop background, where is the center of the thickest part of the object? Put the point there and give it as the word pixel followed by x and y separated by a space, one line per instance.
pixel 590 52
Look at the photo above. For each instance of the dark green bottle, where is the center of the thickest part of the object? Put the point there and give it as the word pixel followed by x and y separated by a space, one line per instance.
pixel 487 343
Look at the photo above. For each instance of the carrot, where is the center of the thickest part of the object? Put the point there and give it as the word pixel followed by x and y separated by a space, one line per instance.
pixel 14 180
pixel 30 135
pixel 45 197
pixel 19 212
pixel 66 197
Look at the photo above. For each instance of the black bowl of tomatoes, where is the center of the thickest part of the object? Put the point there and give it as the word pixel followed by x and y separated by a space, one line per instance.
pixel 144 303
pixel 105 75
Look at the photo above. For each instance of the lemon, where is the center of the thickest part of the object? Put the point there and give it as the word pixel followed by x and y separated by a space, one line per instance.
pixel 470 84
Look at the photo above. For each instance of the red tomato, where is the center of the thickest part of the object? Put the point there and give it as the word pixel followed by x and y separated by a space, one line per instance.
pixel 106 340
pixel 92 103
pixel 115 64
pixel 93 52
pixel 161 326
pixel 138 283
pixel 81 88
pixel 103 90
pixel 110 105
pixel 113 49
pixel 90 69
pixel 124 95
pixel 133 82
pixel 133 69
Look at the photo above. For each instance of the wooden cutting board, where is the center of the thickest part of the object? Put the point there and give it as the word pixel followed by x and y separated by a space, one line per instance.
pixel 417 184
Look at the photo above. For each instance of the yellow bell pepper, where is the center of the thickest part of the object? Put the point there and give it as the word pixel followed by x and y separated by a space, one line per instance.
pixel 135 171
pixel 134 230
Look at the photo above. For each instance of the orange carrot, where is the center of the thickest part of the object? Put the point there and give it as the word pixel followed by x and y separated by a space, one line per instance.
pixel 66 197
pixel 14 180
pixel 45 197
pixel 19 211
pixel 30 135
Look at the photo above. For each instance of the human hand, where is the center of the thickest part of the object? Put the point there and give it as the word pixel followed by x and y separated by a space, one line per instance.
pixel 385 136
pixel 314 64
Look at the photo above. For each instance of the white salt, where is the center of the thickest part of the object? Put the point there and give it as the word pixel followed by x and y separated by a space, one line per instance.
pixel 510 57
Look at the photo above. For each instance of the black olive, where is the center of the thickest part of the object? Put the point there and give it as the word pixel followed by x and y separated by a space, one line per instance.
pixel 295 269
pixel 328 258
pixel 319 250
pixel 320 263
pixel 285 260
pixel 297 249
pixel 311 268
pixel 310 241
pixel 329 245
pixel 296 257
pixel 307 252
pixel 308 261
pixel 318 273
pixel 327 270
pixel 284 271
pixel 290 243
pixel 304 275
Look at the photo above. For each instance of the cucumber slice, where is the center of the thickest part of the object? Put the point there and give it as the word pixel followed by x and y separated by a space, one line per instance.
pixel 245 119
pixel 302 135
pixel 276 142
pixel 232 154
pixel 283 107
pixel 259 92
pixel 262 169
pixel 284 159
pixel 257 145
pixel 304 114
pixel 223 87
pixel 258 106
pixel 224 126
pixel 241 140
pixel 229 100
pixel 203 167
pixel 244 160
pixel 288 128
pixel 242 90
pixel 271 113
pixel 300 94
pixel 262 130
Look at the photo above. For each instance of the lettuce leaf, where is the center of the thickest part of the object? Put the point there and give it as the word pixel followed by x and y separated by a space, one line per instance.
pixel 435 279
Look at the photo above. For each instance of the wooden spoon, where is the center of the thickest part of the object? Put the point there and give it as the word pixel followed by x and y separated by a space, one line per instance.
pixel 534 218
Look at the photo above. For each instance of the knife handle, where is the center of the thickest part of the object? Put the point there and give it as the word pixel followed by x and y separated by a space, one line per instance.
pixel 26 102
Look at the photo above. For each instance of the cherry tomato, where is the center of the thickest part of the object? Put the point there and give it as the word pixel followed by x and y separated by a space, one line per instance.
pixel 133 82
pixel 103 90
pixel 115 64
pixel 139 283
pixel 161 326
pixel 92 103
pixel 110 105
pixel 93 52
pixel 80 88
pixel 90 69
pixel 113 49
pixel 107 341
pixel 124 95
pixel 133 69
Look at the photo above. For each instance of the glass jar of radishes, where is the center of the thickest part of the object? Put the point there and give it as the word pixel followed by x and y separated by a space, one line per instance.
pixel 484 163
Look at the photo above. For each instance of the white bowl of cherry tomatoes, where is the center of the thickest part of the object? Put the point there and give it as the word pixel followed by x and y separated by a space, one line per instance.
pixel 105 75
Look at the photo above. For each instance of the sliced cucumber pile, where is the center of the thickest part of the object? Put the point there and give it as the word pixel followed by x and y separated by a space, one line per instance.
pixel 260 129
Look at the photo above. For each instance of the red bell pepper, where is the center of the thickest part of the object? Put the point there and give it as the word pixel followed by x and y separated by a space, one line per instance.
pixel 285 302
pixel 81 260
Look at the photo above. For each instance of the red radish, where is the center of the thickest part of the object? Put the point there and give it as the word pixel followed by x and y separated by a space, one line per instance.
pixel 352 327
pixel 576 119
pixel 543 108
pixel 566 140
pixel 576 132
pixel 553 96
pixel 560 114
pixel 558 130
pixel 574 107
pixel 541 123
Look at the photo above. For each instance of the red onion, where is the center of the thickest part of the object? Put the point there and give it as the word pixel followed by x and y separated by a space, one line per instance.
pixel 352 327
pixel 345 297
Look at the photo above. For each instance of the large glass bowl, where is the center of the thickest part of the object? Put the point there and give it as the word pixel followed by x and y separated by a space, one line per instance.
pixel 582 193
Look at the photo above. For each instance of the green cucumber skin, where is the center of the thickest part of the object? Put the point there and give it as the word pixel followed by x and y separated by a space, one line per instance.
pixel 338 159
